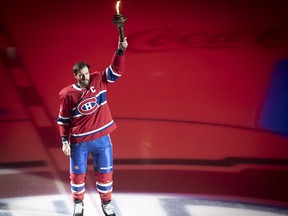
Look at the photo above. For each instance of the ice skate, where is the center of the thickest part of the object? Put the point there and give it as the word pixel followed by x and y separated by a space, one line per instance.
pixel 78 208
pixel 108 209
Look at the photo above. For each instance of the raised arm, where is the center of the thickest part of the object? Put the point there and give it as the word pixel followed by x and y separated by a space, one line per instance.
pixel 117 67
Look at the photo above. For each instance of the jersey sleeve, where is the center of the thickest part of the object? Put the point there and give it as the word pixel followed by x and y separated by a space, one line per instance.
pixel 64 116
pixel 116 69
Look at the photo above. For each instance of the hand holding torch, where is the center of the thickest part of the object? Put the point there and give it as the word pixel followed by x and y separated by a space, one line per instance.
pixel 119 20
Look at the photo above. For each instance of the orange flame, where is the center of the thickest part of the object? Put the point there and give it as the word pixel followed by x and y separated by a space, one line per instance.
pixel 117 7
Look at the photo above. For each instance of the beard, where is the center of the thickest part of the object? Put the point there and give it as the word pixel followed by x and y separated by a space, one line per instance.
pixel 85 83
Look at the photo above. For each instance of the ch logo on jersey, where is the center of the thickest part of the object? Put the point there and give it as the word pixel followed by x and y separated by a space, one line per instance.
pixel 88 106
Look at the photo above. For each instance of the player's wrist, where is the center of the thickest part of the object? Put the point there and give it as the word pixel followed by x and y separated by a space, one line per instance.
pixel 65 143
pixel 120 51
pixel 64 140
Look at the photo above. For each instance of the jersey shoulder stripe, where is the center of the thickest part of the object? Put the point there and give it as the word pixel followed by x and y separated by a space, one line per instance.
pixel 111 75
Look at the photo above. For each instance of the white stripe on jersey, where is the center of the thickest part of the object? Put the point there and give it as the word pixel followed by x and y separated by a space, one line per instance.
pixel 94 131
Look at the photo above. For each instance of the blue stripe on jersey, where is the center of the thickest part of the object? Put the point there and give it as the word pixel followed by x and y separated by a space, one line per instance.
pixel 94 131
pixel 111 75
pixel 63 121
pixel 100 98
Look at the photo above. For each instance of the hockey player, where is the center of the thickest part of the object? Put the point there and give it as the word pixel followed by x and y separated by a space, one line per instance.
pixel 85 123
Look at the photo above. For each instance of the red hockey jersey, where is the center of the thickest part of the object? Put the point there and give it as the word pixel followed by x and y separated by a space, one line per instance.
pixel 84 114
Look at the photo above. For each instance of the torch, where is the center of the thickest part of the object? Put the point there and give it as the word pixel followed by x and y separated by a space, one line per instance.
pixel 119 20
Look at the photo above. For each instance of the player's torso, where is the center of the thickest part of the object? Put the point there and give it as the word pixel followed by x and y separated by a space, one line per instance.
pixel 86 102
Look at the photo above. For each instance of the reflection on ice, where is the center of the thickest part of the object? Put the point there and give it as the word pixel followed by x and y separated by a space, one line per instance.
pixel 131 204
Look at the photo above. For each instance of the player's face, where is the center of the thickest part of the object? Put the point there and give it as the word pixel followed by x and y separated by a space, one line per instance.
pixel 83 77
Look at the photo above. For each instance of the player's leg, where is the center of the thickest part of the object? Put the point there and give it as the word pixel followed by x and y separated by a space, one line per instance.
pixel 104 185
pixel 78 169
pixel 103 167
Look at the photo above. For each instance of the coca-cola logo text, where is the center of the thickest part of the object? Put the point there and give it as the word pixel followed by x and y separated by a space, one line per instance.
pixel 163 39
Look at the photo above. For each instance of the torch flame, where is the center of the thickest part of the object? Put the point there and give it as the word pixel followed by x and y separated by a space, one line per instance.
pixel 117 7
